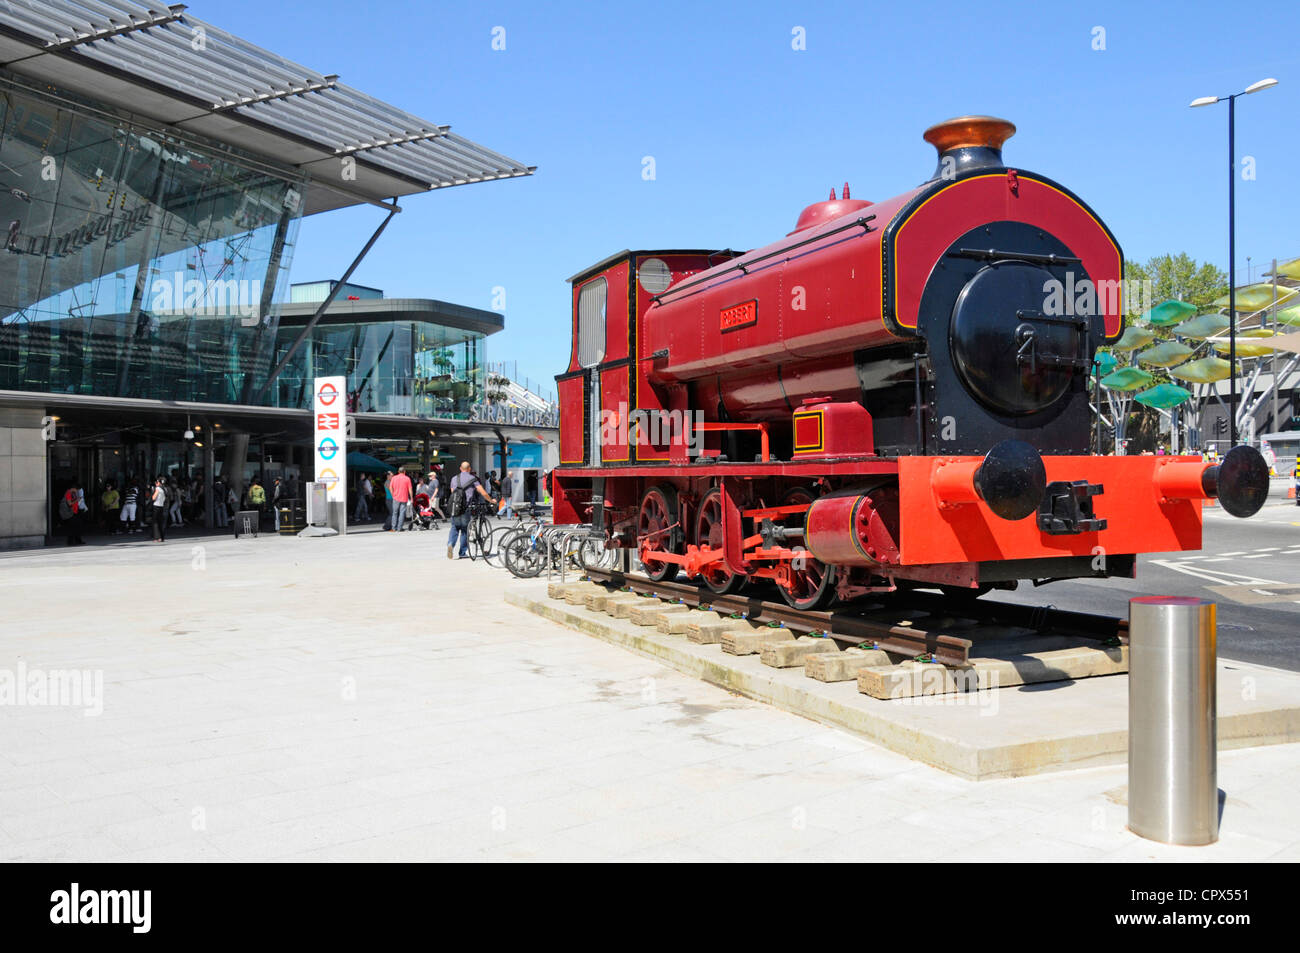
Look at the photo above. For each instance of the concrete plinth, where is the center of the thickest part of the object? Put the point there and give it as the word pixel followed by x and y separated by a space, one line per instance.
pixel 980 735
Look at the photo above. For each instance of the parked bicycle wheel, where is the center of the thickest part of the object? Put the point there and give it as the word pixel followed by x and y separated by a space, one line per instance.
pixel 592 554
pixel 496 542
pixel 523 555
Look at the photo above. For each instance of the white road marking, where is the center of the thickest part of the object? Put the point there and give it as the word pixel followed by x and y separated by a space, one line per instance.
pixel 1242 553
pixel 1257 556
pixel 1216 575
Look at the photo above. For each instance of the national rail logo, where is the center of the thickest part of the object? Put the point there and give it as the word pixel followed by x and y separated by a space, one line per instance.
pixel 327 421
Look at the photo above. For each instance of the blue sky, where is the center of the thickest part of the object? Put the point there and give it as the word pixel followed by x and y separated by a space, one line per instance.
pixel 745 131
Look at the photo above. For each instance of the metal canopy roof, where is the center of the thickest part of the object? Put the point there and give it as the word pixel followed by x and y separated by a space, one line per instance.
pixel 159 62
pixel 376 310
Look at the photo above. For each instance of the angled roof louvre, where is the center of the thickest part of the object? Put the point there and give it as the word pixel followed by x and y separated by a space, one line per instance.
pixel 158 62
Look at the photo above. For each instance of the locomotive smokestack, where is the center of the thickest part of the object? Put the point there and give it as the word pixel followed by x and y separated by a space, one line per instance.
pixel 968 142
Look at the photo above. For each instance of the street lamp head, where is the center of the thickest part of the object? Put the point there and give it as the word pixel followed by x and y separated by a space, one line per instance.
pixel 1204 101
pixel 1262 84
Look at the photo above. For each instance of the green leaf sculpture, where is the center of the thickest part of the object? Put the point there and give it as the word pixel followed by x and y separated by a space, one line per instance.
pixel 1244 347
pixel 1204 326
pixel 1169 312
pixel 1127 378
pixel 1165 354
pixel 1133 338
pixel 1254 297
pixel 1164 396
pixel 1205 371
pixel 1289 316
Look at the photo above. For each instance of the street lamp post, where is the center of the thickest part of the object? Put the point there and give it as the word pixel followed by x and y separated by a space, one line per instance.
pixel 1232 241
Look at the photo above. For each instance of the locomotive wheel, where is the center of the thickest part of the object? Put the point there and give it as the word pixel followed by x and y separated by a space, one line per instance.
pixel 708 532
pixel 814 581
pixel 659 511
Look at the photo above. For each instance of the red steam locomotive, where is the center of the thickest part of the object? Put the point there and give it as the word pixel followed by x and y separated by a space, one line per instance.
pixel 895 394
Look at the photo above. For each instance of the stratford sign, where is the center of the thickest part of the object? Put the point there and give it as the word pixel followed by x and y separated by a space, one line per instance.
pixel 514 416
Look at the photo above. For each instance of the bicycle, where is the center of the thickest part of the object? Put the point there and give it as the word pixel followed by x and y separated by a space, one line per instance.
pixel 524 553
pixel 502 534
pixel 479 532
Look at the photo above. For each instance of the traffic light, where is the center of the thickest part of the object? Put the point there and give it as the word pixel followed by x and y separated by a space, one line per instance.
pixel 1221 426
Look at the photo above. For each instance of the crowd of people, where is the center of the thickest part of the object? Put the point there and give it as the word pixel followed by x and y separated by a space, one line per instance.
pixel 394 497
pixel 155 505
pixel 164 502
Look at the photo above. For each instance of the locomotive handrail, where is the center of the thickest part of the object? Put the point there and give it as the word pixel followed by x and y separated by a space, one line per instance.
pixel 742 265
pixel 992 254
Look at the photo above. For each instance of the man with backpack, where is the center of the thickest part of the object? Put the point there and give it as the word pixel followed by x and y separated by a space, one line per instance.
pixel 462 485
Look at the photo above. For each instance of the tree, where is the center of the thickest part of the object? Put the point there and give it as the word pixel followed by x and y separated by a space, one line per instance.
pixel 1178 277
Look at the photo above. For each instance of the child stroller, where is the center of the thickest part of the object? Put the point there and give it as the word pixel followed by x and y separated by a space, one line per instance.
pixel 424 516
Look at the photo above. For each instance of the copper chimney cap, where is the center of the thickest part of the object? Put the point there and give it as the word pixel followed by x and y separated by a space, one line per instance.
pixel 967 132
pixel 968 143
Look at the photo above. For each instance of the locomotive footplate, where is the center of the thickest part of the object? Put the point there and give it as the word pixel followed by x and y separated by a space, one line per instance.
pixel 1067 510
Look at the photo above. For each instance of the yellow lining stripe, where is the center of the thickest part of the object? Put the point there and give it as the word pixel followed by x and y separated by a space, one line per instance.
pixel 899 234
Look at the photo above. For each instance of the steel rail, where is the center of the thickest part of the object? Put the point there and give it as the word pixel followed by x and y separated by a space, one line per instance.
pixel 854 625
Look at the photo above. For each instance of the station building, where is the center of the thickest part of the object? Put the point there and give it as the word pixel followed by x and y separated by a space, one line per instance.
pixel 154 172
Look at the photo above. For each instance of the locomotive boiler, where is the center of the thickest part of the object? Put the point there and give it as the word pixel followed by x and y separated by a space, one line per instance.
pixel 894 394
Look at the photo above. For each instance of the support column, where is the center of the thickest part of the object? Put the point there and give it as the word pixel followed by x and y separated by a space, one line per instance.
pixel 209 465
pixel 233 466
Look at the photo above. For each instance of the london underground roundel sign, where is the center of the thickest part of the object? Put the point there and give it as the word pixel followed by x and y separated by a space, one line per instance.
pixel 327 394
pixel 327 448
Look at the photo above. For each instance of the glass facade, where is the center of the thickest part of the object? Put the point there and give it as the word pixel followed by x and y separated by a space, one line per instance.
pixel 412 368
pixel 135 263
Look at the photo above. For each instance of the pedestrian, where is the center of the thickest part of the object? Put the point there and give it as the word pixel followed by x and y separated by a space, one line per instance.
pixel 400 489
pixel 174 503
pixel 462 485
pixel 129 514
pixel 1295 481
pixel 435 494
pixel 364 492
pixel 388 502
pixel 111 505
pixel 70 515
pixel 232 502
pixel 275 502
pixel 257 499
pixel 159 508
pixel 507 510
pixel 218 503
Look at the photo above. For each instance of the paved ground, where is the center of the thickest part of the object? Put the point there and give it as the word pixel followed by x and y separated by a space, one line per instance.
pixel 247 716
pixel 1250 567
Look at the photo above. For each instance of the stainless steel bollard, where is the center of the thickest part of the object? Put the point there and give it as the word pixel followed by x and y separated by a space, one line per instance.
pixel 1173 790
